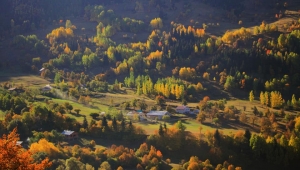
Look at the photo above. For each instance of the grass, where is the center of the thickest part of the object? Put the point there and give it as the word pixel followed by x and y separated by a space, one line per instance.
pixel 191 126
pixel 85 110
pixel 23 79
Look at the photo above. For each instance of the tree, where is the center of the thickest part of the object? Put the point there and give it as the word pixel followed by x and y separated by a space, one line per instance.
pixel 243 117
pixel 34 92
pixel 142 104
pixel 104 122
pixel 201 117
pixel 85 123
pixel 74 164
pixel 230 83
pixel 105 166
pixel 77 111
pixel 160 100
pixel 217 138
pixel 180 126
pixel 255 111
pixel 251 96
pixel 253 120
pixel 156 23
pixel 68 106
pixel 68 24
pixel 13 156
pixel 160 130
pixel 276 99
pixel 94 115
pixel 57 78
pixel 262 98
pixel 134 103
pixel 115 124
pixel 294 102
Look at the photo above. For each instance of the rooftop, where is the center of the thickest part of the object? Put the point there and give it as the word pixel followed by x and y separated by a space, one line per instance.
pixel 67 132
pixel 157 113
pixel 181 107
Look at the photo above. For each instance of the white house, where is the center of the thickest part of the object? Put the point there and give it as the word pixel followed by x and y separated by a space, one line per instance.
pixel 157 114
pixel 183 109
pixel 46 88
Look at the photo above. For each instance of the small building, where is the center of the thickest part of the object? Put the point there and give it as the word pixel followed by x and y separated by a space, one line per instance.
pixel 195 112
pixel 157 114
pixel 19 143
pixel 183 109
pixel 70 135
pixel 46 88
pixel 14 89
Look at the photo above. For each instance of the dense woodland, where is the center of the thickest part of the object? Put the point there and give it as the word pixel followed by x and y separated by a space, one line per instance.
pixel 177 62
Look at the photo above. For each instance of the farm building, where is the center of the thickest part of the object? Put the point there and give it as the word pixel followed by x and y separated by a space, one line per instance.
pixel 135 115
pixel 46 88
pixel 157 114
pixel 70 135
pixel 195 111
pixel 183 109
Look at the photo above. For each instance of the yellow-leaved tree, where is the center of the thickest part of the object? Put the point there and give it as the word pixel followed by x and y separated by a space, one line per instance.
pixel 44 146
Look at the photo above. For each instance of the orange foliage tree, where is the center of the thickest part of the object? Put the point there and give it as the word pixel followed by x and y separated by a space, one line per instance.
pixel 13 156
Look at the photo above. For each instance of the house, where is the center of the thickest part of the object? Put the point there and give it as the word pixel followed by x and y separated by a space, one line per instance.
pixel 14 89
pixel 135 115
pixel 46 88
pixel 70 135
pixel 19 143
pixel 157 114
pixel 195 112
pixel 183 109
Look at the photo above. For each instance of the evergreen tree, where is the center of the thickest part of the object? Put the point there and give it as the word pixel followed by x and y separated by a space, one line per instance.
pixel 217 138
pixel 255 111
pixel 123 125
pixel 115 124
pixel 104 122
pixel 85 123
pixel 165 126
pixel 247 134
pixel 294 102
pixel 161 131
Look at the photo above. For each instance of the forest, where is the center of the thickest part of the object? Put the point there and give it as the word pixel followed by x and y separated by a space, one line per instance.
pixel 97 68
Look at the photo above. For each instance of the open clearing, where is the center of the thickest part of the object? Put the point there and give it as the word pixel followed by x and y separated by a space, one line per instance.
pixel 85 110
pixel 191 126
pixel 23 79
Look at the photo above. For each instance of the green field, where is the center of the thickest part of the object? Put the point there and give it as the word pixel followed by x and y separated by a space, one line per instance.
pixel 191 126
pixel 85 110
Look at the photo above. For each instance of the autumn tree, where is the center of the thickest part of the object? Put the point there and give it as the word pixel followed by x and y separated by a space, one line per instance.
pixel 201 117
pixel 243 117
pixel 156 23
pixel 160 100
pixel 276 99
pixel 251 96
pixel 262 98
pixel 13 156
